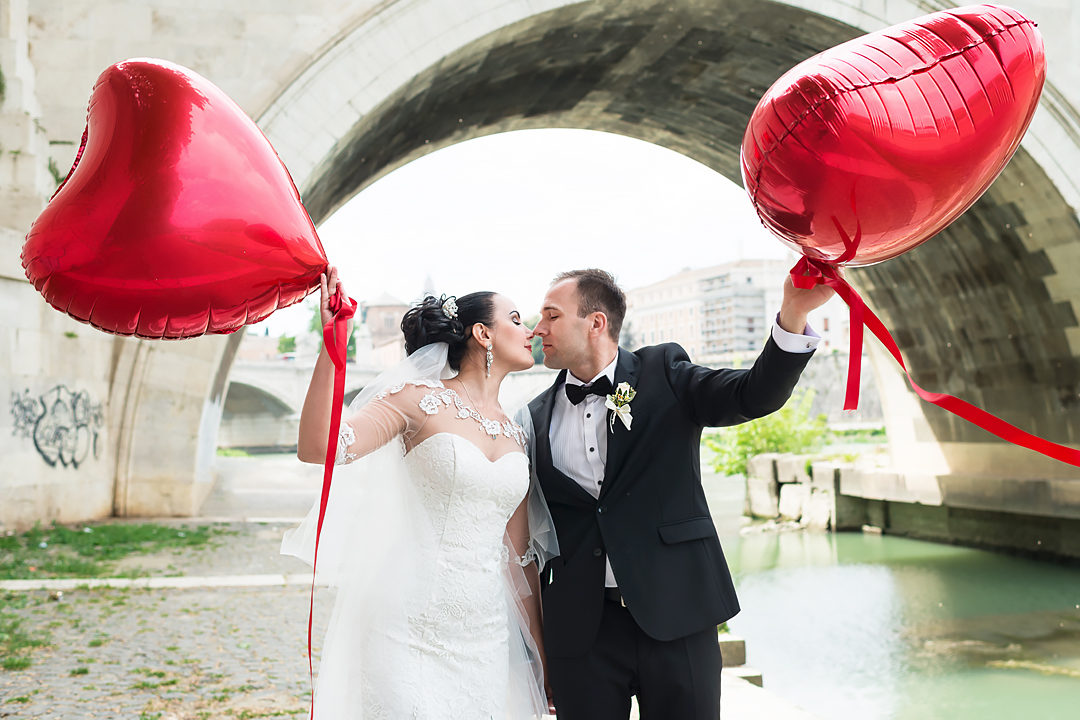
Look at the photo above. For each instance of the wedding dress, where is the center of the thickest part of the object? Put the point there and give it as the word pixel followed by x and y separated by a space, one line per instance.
pixel 429 617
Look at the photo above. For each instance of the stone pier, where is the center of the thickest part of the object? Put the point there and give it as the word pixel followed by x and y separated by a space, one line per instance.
pixel 1034 516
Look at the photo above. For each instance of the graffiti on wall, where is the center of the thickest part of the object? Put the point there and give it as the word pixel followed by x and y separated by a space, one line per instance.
pixel 64 425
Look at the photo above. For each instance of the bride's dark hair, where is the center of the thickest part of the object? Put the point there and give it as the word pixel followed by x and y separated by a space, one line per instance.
pixel 426 323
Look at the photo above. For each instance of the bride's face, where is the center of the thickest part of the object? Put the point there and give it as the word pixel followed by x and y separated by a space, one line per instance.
pixel 511 341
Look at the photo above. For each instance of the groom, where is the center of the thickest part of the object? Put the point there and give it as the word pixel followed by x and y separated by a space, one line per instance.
pixel 631 604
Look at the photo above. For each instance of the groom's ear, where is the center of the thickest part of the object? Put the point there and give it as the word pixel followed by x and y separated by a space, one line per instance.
pixel 598 323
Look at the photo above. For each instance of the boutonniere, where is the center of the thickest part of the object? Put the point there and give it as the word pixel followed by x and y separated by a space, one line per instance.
pixel 618 403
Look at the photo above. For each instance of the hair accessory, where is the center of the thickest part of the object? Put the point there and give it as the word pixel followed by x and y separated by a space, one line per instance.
pixel 449 307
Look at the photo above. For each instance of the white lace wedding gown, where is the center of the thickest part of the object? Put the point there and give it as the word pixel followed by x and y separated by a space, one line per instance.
pixel 428 628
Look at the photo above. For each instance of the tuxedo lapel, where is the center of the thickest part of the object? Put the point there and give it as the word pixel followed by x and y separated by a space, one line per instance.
pixel 546 470
pixel 542 424
pixel 619 438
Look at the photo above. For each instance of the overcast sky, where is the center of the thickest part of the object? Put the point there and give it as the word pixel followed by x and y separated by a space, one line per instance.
pixel 507 212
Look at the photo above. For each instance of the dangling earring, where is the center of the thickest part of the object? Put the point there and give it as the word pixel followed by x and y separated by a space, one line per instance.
pixel 490 359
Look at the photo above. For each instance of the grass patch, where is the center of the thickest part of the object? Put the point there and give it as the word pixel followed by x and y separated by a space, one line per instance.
pixel 16 644
pixel 90 551
pixel 232 452
pixel 20 662
pixel 80 671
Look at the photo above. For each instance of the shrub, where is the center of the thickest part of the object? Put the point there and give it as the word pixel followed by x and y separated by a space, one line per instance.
pixel 790 429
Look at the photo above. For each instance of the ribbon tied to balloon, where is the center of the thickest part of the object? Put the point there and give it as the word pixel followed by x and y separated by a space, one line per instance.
pixel 178 219
pixel 870 148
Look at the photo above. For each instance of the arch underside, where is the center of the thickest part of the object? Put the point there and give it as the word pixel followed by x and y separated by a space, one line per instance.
pixel 980 311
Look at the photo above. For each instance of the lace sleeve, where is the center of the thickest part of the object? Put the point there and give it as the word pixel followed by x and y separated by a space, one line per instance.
pixel 398 411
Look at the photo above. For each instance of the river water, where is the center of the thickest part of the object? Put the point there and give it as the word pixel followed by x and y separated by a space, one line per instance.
pixel 855 625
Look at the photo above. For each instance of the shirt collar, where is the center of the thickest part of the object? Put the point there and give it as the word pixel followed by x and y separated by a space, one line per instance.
pixel 609 371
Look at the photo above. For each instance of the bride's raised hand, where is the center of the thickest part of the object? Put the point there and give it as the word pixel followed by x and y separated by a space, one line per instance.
pixel 328 288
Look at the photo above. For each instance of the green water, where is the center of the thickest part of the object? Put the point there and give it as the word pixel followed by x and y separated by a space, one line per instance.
pixel 870 627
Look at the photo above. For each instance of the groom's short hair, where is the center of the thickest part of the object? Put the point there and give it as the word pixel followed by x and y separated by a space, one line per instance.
pixel 598 292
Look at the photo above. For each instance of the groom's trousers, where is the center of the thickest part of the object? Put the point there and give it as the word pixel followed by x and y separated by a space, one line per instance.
pixel 673 680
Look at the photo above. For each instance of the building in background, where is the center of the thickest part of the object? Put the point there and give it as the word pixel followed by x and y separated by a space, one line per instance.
pixel 722 314
pixel 382 322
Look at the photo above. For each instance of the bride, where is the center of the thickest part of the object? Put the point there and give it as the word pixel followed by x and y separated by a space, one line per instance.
pixel 427 530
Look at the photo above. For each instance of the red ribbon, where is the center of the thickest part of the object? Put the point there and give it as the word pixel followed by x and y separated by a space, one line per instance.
pixel 808 272
pixel 336 340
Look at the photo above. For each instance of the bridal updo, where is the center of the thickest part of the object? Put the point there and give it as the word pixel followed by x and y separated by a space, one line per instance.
pixel 429 323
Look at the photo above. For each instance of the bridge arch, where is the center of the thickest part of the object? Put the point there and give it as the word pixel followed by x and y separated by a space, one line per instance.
pixel 350 91
pixel 983 311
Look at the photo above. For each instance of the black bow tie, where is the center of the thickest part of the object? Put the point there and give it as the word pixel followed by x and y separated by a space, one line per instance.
pixel 577 393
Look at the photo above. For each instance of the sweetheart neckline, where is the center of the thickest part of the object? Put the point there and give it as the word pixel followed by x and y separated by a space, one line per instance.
pixel 470 443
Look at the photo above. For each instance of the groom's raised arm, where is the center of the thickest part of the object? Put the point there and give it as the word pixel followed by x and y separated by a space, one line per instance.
pixel 728 397
pixel 725 396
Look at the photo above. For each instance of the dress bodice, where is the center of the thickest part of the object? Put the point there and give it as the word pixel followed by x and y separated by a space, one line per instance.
pixel 468 497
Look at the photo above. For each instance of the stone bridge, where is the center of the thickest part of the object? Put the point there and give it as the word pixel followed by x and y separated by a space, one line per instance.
pixel 349 91
pixel 263 402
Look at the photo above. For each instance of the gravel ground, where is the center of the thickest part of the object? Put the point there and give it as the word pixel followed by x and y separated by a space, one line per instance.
pixel 241 549
pixel 171 654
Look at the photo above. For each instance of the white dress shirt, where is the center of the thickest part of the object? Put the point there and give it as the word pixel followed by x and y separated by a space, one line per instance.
pixel 578 436
pixel 578 433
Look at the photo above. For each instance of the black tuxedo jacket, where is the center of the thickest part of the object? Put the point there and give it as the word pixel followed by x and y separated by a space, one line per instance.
pixel 651 518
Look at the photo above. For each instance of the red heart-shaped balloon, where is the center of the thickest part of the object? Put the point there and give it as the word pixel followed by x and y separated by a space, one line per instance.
pixel 867 149
pixel 177 219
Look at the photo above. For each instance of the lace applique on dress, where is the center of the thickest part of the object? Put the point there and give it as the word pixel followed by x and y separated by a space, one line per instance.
pixel 401 386
pixel 435 401
pixel 346 438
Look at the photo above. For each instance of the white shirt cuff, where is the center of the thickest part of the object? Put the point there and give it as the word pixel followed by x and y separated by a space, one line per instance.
pixel 794 343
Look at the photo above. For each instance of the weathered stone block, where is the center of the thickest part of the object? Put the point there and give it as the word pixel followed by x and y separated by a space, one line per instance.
pixel 923 489
pixel 763 496
pixel 1065 496
pixel 732 649
pixel 792 469
pixel 793 500
pixel 819 508
pixel 849 513
pixel 763 466
pixel 872 484
pixel 825 474
pixel 750 675
pixel 924 521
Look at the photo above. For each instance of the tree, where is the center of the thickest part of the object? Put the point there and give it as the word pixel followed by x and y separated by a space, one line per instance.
pixel 286 344
pixel 790 429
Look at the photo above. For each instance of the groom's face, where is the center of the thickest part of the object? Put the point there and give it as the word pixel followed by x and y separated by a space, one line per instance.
pixel 563 333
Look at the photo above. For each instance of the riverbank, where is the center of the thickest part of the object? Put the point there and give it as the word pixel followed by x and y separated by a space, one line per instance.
pixel 853 626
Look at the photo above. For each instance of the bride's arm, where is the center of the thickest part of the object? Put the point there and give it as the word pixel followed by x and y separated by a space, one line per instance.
pixel 371 428
pixel 315 415
pixel 376 424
